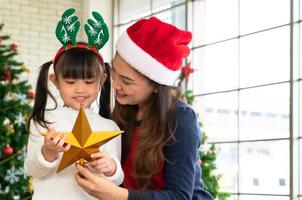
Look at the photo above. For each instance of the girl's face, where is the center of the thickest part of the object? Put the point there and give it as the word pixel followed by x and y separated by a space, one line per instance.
pixel 77 92
pixel 131 87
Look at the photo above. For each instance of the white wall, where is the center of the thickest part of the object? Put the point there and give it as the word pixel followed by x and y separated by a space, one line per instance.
pixel 31 25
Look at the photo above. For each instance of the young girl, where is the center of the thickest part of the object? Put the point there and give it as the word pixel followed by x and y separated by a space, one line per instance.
pixel 162 136
pixel 78 75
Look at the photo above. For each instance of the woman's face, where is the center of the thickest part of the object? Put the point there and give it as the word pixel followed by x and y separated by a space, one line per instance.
pixel 131 87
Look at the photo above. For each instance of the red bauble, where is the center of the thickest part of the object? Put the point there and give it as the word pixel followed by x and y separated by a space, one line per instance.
pixel 187 70
pixel 31 94
pixel 8 150
pixel 7 75
pixel 13 47
pixel 1 40
pixel 200 162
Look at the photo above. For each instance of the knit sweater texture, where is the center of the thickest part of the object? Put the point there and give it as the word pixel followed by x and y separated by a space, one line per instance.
pixel 47 184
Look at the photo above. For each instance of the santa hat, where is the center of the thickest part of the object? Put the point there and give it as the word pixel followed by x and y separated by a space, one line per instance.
pixel 155 49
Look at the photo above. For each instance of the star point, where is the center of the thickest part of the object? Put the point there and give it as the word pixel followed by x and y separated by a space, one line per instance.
pixel 84 141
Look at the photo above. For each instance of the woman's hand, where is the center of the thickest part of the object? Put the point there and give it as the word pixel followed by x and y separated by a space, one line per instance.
pixel 98 186
pixel 102 163
pixel 52 147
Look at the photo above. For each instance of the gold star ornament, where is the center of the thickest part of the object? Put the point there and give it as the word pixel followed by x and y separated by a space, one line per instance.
pixel 83 142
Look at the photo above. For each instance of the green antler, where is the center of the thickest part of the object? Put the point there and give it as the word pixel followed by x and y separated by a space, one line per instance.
pixel 97 31
pixel 67 28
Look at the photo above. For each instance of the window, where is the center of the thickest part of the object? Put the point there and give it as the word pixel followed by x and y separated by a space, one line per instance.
pixel 247 86
pixel 255 181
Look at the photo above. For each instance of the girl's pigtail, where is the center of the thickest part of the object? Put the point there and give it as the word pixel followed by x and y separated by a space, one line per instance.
pixel 105 110
pixel 42 92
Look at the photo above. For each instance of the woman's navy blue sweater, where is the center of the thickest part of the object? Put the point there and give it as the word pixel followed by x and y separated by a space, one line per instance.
pixel 182 171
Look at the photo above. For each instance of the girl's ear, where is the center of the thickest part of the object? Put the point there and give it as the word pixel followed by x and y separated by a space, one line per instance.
pixel 54 80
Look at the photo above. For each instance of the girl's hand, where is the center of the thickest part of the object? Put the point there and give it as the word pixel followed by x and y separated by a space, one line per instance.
pixel 52 147
pixel 98 186
pixel 102 163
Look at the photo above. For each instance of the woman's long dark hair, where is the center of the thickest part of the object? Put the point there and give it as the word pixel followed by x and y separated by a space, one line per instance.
pixel 156 131
pixel 73 63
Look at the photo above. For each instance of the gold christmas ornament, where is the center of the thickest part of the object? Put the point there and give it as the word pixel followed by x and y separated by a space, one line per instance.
pixel 84 142
pixel 25 68
pixel 30 185
pixel 10 129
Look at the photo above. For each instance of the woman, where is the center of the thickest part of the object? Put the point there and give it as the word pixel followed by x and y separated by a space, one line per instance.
pixel 162 136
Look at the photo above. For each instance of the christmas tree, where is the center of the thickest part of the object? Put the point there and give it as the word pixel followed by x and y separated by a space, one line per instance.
pixel 15 97
pixel 207 153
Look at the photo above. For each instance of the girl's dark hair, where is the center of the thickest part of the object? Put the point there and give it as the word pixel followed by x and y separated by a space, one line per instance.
pixel 73 63
pixel 104 100
pixel 156 131
pixel 42 91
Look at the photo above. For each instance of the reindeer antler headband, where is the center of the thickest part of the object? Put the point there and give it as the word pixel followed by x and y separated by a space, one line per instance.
pixel 68 27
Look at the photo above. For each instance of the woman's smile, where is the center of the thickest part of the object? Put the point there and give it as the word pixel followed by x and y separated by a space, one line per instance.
pixel 120 95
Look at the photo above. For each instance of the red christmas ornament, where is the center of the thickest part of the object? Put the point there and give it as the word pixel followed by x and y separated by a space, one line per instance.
pixel 199 162
pixel 187 70
pixel 7 75
pixel 13 47
pixel 31 94
pixel 1 40
pixel 8 150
